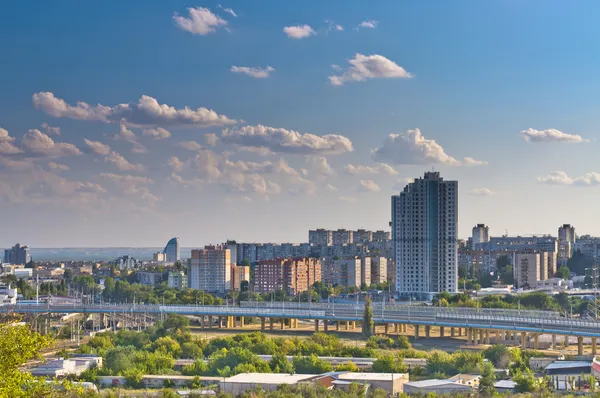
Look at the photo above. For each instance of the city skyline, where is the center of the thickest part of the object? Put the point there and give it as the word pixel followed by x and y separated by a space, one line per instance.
pixel 220 120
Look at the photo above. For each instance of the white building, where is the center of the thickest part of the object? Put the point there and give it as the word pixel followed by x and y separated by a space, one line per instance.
pixel 347 272
pixel 238 384
pixel 210 269
pixel 177 280
pixel 526 270
pixel 424 232
pixel 8 295
pixel 379 267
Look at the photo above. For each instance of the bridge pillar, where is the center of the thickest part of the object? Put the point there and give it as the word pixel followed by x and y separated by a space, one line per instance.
pixel 386 328
pixel 282 323
pixel 271 321
pixel 536 341
pixel 416 332
pixel 593 346
pixel 347 325
pixel 353 325
pixel 487 337
pixel 316 325
pixel 566 342
pixel 262 324
pixel 441 331
pixel 497 340
pixel 452 332
pixel 242 322
pixel 325 326
pixel 210 321
pixel 459 332
pixel 397 328
pixel 515 334
pixel 579 345
pixel 469 335
pixel 523 340
pixel 554 342
pixel 337 325
pixel 427 330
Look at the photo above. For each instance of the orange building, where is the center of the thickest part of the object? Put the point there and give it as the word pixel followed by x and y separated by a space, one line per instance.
pixel 292 275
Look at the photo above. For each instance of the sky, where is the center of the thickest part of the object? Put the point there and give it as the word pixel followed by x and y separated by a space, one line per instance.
pixel 129 122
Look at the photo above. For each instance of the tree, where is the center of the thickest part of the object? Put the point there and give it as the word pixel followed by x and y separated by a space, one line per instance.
pixel 311 365
pixel 280 364
pixel 388 363
pixel 563 272
pixel 368 324
pixel 488 378
pixel 68 275
pixel 246 263
pixel 244 286
pixel 499 355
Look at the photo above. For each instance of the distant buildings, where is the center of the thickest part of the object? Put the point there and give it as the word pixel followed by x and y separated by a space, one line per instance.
pixel 320 236
pixel 8 295
pixel 566 239
pixel 177 280
pixel 172 251
pixel 362 236
pixel 292 275
pixel 239 273
pixel 159 257
pixel 342 237
pixel 379 268
pixel 210 269
pixel 127 262
pixel 424 233
pixel 352 271
pixel 480 234
pixel 148 278
pixel 532 267
pixel 17 255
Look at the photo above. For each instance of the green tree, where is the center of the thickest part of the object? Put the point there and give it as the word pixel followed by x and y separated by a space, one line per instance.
pixel 488 378
pixel 311 365
pixel 368 324
pixel 563 272
pixel 388 363
pixel 499 355
pixel 280 364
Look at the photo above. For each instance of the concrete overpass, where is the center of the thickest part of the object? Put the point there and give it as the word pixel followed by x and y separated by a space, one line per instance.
pixel 476 324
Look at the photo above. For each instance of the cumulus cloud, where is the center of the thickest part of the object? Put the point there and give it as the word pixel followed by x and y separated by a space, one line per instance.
pixel 368 186
pixel 299 31
pixel 320 166
pixel 122 164
pixel 6 145
pixel 211 139
pixel 50 130
pixel 481 192
pixel 258 73
pixel 562 178
pixel 146 112
pixel 190 145
pixel 157 133
pixel 369 24
pixel 38 142
pixel 201 21
pixel 286 141
pixel 193 182
pixel 176 164
pixel 380 168
pixel 411 147
pixel 58 166
pixel 473 162
pixel 97 147
pixel 127 178
pixel 551 135
pixel 366 67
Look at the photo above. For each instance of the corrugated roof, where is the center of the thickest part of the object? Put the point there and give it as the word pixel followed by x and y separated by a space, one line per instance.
pixel 371 376
pixel 268 378
pixel 429 383
pixel 568 365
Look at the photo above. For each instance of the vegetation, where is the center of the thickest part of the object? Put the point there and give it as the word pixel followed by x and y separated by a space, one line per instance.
pixel 368 325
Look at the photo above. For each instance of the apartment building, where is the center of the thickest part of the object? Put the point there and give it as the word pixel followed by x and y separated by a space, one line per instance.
pixel 379 267
pixel 239 273
pixel 526 270
pixel 293 275
pixel 322 237
pixel 210 269
pixel 342 236
pixel 348 272
pixel 177 280
pixel 362 236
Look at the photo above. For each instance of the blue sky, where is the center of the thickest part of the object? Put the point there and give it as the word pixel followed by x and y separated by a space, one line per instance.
pixel 348 114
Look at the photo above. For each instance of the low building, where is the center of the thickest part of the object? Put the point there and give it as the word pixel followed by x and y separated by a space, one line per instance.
pixel 435 386
pixel 242 382
pixel 8 295
pixel 505 386
pixel 23 273
pixel 467 380
pixel 159 257
pixel 393 383
pixel 151 279
pixel 63 367
pixel 177 280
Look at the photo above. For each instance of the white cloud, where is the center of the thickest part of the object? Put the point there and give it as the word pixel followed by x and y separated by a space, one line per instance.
pixel 51 130
pixel 365 67
pixel 562 178
pixel 211 139
pixel 176 164
pixel 286 141
pixel 331 188
pixel 230 12
pixel 146 112
pixel 157 133
pixel 127 178
pixel 412 148
pixel 481 192
pixel 190 145
pixel 472 162
pixel 38 142
pixel 299 31
pixel 369 24
pixel 258 73
pixel 122 164
pixel 550 135
pixel 368 186
pixel 6 145
pixel 97 147
pixel 194 182
pixel 129 136
pixel 201 21
pixel 320 166
pixel 58 166
pixel 380 168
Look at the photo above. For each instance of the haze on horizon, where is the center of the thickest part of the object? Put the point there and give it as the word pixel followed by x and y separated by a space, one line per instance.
pixel 129 125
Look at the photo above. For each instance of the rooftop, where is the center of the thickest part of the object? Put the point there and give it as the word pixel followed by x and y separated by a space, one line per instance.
pixel 464 376
pixel 429 383
pixel 568 365
pixel 371 376
pixel 505 384
pixel 268 378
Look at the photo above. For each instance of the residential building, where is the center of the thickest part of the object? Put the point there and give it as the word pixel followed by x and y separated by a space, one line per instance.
pixel 233 250
pixel 545 243
pixel 347 272
pixel 210 269
pixel 63 367
pixel 48 273
pixel 177 280
pixel 380 236
pixel 159 257
pixel 424 234
pixel 342 236
pixel 292 275
pixel 239 273
pixel 566 239
pixel 392 383
pixel 23 273
pixel 379 267
pixel 362 236
pixel 566 233
pixel 8 295
pixel 526 270
pixel 480 234
pixel 435 387
pixel 172 251
pixel 365 271
pixel 148 278
pixel 17 255
pixel 588 246
pixel 127 262
pixel 321 237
